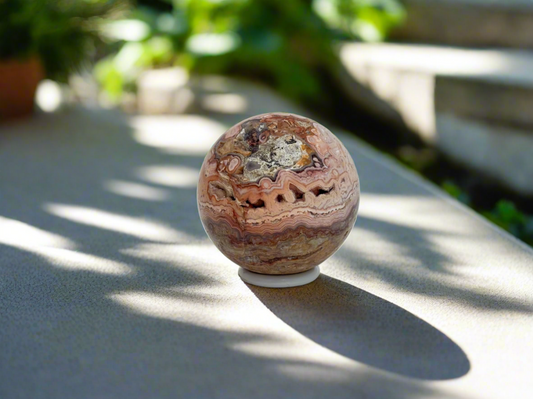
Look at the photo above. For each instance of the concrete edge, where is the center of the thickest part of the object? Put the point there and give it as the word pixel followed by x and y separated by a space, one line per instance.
pixel 397 168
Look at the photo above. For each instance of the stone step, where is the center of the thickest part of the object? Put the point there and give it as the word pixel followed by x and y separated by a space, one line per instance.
pixel 473 104
pixel 110 288
pixel 507 23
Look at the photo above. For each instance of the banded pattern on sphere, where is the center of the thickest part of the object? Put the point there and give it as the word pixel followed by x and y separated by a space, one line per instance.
pixel 278 193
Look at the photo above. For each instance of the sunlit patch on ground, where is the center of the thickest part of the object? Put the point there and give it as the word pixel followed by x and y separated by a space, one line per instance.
pixel 136 190
pixel 186 135
pixel 133 226
pixel 23 235
pixel 72 260
pixel 56 249
pixel 168 175
pixel 230 103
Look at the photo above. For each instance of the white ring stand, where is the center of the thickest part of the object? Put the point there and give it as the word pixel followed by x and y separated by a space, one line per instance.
pixel 279 280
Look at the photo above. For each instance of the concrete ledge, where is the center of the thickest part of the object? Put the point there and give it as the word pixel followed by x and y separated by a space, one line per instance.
pixel 110 287
pixel 419 86
pixel 502 103
pixel 468 23
pixel 499 151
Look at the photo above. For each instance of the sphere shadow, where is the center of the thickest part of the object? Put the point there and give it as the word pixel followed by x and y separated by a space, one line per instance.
pixel 366 328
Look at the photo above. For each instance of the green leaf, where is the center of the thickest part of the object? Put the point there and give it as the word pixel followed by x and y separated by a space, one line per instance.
pixel 110 78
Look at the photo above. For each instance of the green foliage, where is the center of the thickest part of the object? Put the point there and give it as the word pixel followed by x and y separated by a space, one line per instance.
pixel 368 20
pixel 61 33
pixel 419 159
pixel 505 214
pixel 286 43
pixel 455 191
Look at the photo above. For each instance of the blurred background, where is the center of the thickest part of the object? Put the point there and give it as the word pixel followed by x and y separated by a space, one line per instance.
pixel 443 86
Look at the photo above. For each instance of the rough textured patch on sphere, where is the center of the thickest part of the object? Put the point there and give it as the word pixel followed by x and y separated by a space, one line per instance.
pixel 278 193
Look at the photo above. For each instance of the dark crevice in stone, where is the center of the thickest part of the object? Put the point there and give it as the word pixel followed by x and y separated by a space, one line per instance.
pixel 317 162
pixel 298 194
pixel 317 191
pixel 258 204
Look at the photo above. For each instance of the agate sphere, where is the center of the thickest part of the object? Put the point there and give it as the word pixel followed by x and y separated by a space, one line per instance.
pixel 278 193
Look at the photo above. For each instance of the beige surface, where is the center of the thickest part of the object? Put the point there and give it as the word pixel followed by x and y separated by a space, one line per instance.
pixel 474 23
pixel 109 287
pixel 474 105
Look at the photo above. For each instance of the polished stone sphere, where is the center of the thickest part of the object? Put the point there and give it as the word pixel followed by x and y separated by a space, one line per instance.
pixel 278 193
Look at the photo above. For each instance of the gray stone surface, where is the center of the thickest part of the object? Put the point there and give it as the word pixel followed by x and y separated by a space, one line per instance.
pixel 487 93
pixel 506 23
pixel 496 150
pixel 109 287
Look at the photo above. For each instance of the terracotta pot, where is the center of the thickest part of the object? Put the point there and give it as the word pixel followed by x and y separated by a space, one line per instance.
pixel 18 82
